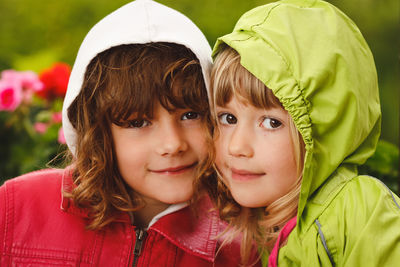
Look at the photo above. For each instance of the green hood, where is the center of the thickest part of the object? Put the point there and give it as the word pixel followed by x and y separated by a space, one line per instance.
pixel 318 64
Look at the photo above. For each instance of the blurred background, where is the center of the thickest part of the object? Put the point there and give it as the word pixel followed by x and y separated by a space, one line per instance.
pixel 43 37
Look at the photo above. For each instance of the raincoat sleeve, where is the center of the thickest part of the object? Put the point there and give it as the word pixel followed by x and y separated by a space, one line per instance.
pixel 368 234
pixel 378 242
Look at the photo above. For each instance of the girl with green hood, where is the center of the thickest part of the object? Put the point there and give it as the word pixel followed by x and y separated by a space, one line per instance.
pixel 295 95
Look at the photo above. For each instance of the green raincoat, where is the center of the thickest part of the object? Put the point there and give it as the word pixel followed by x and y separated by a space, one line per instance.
pixel 317 63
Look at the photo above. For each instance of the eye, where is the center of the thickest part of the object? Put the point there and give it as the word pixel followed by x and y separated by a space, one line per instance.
pixel 227 118
pixel 191 115
pixel 271 123
pixel 138 123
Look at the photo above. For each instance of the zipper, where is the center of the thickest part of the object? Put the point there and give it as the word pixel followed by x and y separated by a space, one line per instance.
pixel 140 237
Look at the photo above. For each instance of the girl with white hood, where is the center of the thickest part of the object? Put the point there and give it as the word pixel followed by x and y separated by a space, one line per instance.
pixel 135 119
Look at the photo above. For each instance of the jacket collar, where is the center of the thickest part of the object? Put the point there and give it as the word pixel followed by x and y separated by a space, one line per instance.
pixel 195 233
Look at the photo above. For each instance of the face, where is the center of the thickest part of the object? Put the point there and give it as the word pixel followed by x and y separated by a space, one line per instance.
pixel 254 153
pixel 158 157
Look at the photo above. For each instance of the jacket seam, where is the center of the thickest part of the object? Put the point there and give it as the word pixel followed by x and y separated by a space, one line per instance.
pixel 8 233
pixel 24 248
pixel 266 17
pixel 322 236
pixel 391 194
pixel 130 233
pixel 9 196
pixel 189 249
pixel 264 21
pixel 148 242
pixel 213 224
pixel 149 36
pixel 46 257
pixel 330 198
pixel 98 241
pixel 175 256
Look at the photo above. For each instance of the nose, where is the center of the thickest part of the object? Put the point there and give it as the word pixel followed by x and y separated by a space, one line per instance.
pixel 240 143
pixel 171 140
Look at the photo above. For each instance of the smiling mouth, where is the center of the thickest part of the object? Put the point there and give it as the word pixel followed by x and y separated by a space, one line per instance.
pixel 175 170
pixel 244 175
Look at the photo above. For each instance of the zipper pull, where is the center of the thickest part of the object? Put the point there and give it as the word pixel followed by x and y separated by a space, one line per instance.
pixel 140 237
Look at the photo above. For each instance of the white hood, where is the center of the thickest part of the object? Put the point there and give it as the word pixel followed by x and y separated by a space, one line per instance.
pixel 138 22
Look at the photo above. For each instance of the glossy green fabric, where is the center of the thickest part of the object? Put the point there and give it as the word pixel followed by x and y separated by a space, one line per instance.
pixel 317 63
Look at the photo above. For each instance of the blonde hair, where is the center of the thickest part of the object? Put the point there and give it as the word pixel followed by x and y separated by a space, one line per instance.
pixel 229 78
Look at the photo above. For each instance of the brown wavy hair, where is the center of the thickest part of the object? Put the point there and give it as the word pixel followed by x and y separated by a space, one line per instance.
pixel 262 225
pixel 118 82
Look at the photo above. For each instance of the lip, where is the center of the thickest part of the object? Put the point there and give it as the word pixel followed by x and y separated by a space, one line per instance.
pixel 175 170
pixel 245 175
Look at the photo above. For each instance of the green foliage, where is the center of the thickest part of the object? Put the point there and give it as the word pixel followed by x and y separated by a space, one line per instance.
pixel 384 165
pixel 36 33
pixel 24 150
pixel 30 119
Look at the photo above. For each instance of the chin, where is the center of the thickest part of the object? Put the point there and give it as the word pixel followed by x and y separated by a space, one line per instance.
pixel 248 201
pixel 178 198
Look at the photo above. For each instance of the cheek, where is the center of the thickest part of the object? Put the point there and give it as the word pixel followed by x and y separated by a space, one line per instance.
pixel 221 138
pixel 125 148
pixel 128 152
pixel 284 160
pixel 220 161
pixel 127 158
pixel 290 154
pixel 219 151
pixel 198 141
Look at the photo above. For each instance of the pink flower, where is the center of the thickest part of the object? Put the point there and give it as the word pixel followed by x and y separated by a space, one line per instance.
pixel 10 75
pixel 28 81
pixel 56 117
pixel 61 138
pixel 10 95
pixel 40 127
